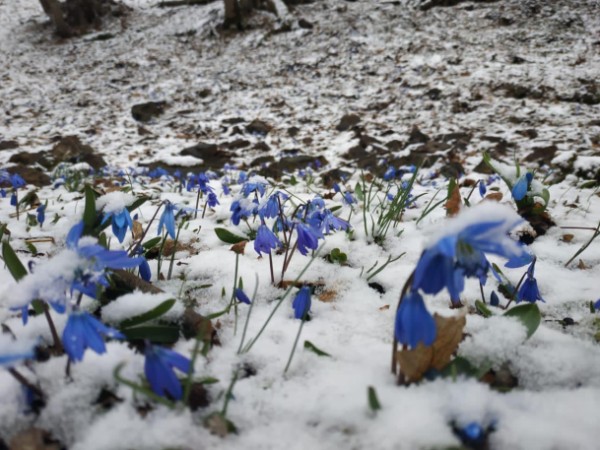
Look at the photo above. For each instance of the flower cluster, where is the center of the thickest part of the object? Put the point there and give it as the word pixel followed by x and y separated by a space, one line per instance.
pixel 454 254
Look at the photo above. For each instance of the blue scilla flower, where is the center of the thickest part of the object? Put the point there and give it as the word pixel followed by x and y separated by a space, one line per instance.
pixel 241 209
pixel 302 303
pixel 41 214
pixel 529 290
pixel 121 221
pixel 159 370
pixel 482 188
pixel 167 219
pixel 85 331
pixel 347 197
pixel 459 250
pixel 473 435
pixel 390 173
pixel 13 199
pixel 308 237
pixel 254 184
pixel 225 187
pixel 520 188
pixel 12 352
pixel 241 296
pixel 326 222
pixel 265 240
pixel 17 181
pixel 414 324
pixel 597 305
pixel 212 200
pixel 271 208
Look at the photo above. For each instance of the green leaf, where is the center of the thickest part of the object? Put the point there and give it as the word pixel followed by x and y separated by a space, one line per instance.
pixel 38 306
pixel 154 313
pixel 359 192
pixel 313 348
pixel 12 261
pixel 483 309
pixel 137 203
pixel 335 208
pixel 151 243
pixel 462 366
pixel 228 237
pixel 545 194
pixel 528 314
pixel 373 400
pixel 90 216
pixel 161 334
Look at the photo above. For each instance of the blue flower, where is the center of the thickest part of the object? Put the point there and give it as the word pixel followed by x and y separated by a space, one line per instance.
pixel 212 200
pixel 85 331
pixel 241 296
pixel 167 219
pixel 13 199
pixel 413 323
pixel 41 214
pixel 301 303
pixel 529 290
pixel 145 272
pixel 257 185
pixel 482 188
pixel 519 190
pixel 494 300
pixel 347 197
pixel 308 237
pixel 390 173
pixel 597 305
pixel 459 251
pixel 326 222
pixel 265 240
pixel 271 208
pixel 159 370
pixel 121 221
pixel 472 435
pixel 15 351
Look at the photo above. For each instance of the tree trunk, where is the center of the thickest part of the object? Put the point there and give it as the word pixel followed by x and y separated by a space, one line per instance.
pixel 53 9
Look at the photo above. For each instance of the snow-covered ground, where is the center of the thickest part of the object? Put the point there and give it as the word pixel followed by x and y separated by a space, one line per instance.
pixel 515 78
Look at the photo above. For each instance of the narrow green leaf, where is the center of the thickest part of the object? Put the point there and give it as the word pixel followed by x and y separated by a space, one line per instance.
pixel 90 215
pixel 462 366
pixel 12 261
pixel 137 203
pixel 154 313
pixel 360 195
pixel 228 237
pixel 38 307
pixel 161 334
pixel 335 208
pixel 528 314
pixel 313 348
pixel 373 400
pixel 150 243
pixel 483 309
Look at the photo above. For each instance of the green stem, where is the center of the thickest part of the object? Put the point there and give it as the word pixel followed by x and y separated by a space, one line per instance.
pixel 287 366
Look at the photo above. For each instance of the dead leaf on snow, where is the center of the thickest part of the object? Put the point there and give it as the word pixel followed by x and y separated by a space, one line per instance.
pixel 416 362
pixel 33 439
pixel 494 196
pixel 327 296
pixel 239 248
pixel 138 230
pixel 454 202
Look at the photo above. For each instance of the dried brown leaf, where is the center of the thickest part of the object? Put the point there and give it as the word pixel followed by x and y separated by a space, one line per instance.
pixel 454 202
pixel 416 362
pixel 327 296
pixel 449 335
pixel 567 237
pixel 494 196
pixel 384 308
pixel 239 248
pixel 33 439
pixel 138 230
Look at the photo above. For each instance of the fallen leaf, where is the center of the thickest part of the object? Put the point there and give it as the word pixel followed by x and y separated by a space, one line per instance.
pixel 454 202
pixel 138 230
pixel 327 296
pixel 416 362
pixel 494 196
pixel 567 237
pixel 33 439
pixel 581 265
pixel 239 248
pixel 384 308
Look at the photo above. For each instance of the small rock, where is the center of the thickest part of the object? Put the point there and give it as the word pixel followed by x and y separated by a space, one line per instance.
pixel 212 156
pixel 417 137
pixel 145 112
pixel 303 23
pixel 347 122
pixel 71 149
pixel 258 127
pixel 31 175
pixel 8 145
